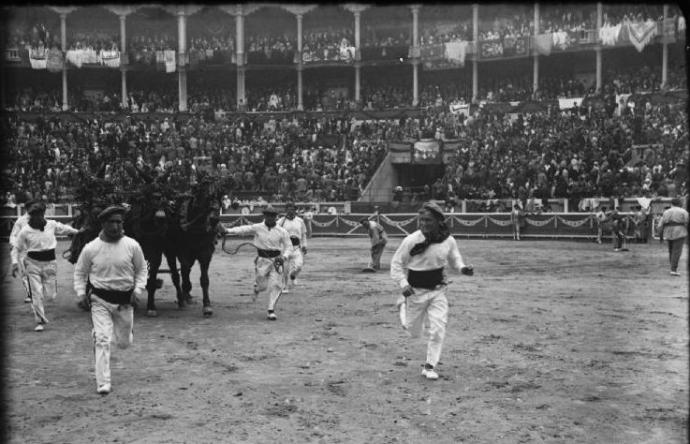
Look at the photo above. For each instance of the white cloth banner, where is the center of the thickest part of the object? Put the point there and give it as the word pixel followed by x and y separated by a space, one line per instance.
pixel 621 102
pixel 642 33
pixel 460 108
pixel 456 51
pixel 170 60
pixel 569 103
pixel 560 39
pixel 609 34
pixel 37 58
pixel 111 59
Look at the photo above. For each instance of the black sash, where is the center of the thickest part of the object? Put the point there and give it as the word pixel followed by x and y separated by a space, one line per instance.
pixel 268 253
pixel 113 296
pixel 43 255
pixel 427 279
pixel 674 224
pixel 294 240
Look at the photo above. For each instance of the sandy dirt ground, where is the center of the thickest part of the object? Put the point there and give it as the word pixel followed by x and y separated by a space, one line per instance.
pixel 549 342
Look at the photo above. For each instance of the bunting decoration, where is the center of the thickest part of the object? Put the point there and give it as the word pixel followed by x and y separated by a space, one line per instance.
pixel 574 223
pixel 641 33
pixel 468 223
pixel 539 223
pixel 500 223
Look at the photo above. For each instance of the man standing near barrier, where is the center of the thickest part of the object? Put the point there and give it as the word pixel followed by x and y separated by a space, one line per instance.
pixel 378 242
pixel 114 266
pixel 673 227
pixel 418 267
pixel 35 254
pixel 273 246
pixel 20 223
pixel 297 231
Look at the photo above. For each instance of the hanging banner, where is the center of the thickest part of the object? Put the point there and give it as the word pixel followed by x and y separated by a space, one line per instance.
pixel 456 51
pixel 499 222
pixel 468 223
pixel 426 151
pixel 490 49
pixel 111 59
pixel 569 103
pixel 54 60
pixel 538 223
pixel 574 223
pixel 324 224
pixel 608 35
pixel 460 108
pixel 542 43
pixel 169 56
pixel 641 33
pixel 37 58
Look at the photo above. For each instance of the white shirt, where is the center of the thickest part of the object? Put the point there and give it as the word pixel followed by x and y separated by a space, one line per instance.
pixel 295 228
pixel 31 239
pixel 20 223
pixel 265 238
pixel 116 266
pixel 376 233
pixel 437 255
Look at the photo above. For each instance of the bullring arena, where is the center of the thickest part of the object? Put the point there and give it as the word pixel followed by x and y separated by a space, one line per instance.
pixel 551 139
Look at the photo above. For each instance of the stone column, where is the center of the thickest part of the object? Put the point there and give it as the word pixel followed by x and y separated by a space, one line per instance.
pixel 664 48
pixel 358 65
pixel 475 61
pixel 597 48
pixel 415 53
pixel 63 44
pixel 535 75
pixel 300 66
pixel 124 57
pixel 241 93
pixel 181 58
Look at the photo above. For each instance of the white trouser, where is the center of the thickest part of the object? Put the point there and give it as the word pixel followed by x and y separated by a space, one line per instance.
pixel 294 264
pixel 22 275
pixel 42 279
pixel 111 322
pixel 427 308
pixel 268 278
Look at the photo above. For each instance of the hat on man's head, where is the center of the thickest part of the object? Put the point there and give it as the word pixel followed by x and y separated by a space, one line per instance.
pixel 109 211
pixel 270 210
pixel 35 205
pixel 434 209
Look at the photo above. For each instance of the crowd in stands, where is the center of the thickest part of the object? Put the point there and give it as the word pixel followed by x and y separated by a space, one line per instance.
pixel 271 49
pixel 318 159
pixel 561 154
pixel 558 18
pixel 336 44
pixel 143 46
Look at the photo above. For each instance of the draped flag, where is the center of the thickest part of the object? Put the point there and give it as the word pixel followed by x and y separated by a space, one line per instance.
pixel 111 59
pixel 456 51
pixel 560 39
pixel 460 108
pixel 37 58
pixel 169 57
pixel 426 150
pixel 54 60
pixel 609 34
pixel 543 43
pixel 641 33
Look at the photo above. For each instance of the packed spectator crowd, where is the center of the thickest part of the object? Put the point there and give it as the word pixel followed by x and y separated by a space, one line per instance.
pixel 317 159
pixel 334 44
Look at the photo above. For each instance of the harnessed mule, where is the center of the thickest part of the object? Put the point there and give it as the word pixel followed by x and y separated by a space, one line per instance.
pixel 197 238
pixel 153 225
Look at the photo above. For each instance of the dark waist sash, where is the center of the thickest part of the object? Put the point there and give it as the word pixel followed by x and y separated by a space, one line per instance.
pixel 674 224
pixel 428 279
pixel 294 240
pixel 113 296
pixel 43 255
pixel 268 253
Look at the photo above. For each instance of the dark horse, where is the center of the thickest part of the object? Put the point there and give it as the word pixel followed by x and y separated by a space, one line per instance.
pixel 153 223
pixel 197 237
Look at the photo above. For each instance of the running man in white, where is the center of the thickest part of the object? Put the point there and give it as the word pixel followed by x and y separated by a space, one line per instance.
pixel 297 231
pixel 418 267
pixel 34 255
pixel 273 247
pixel 114 268
pixel 20 223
